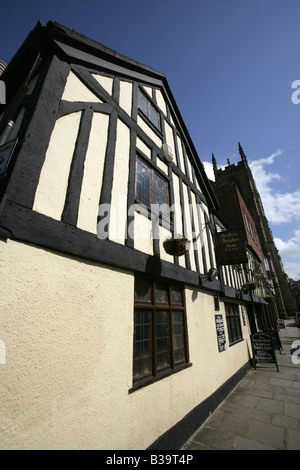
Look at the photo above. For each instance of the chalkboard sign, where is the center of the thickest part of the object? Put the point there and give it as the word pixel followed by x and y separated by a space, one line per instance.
pixel 275 339
pixel 220 333
pixel 281 324
pixel 263 349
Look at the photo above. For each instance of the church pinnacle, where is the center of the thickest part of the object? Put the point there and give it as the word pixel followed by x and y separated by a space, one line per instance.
pixel 214 163
pixel 242 154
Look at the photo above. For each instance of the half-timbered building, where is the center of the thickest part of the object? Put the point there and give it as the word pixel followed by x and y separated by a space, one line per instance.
pixel 110 338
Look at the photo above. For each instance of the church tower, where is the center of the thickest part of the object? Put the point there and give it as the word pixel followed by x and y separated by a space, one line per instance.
pixel 241 175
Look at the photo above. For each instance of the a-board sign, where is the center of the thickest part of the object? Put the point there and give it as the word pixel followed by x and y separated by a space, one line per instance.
pixel 276 339
pixel 220 333
pixel 281 324
pixel 263 349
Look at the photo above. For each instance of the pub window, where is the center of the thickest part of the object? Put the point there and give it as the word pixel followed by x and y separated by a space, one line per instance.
pixel 151 188
pixel 233 323
pixel 149 110
pixel 217 303
pixel 160 333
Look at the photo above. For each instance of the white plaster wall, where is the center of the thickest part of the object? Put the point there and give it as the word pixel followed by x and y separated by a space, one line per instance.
pixel 170 138
pixel 163 166
pixel 197 245
pixel 161 101
pixel 163 235
pixel 117 227
pixel 105 82
pixel 178 214
pixel 126 96
pixel 75 90
pixel 148 89
pixel 143 238
pixel 188 223
pixel 93 174
pixel 180 154
pixel 143 147
pixel 67 326
pixel 149 131
pixel 52 187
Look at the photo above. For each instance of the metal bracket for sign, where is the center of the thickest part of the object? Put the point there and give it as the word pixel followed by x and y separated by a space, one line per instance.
pixel 6 151
pixel 263 349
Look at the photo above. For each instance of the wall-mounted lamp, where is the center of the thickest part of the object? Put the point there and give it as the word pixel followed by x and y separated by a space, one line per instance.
pixel 212 274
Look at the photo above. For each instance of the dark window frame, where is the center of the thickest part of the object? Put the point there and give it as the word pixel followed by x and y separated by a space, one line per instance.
pixel 233 321
pixel 150 106
pixel 153 305
pixel 154 173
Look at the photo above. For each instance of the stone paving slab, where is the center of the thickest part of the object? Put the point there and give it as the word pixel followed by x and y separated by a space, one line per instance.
pixel 262 412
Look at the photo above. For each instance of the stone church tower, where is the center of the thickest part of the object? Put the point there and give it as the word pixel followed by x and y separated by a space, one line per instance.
pixel 241 175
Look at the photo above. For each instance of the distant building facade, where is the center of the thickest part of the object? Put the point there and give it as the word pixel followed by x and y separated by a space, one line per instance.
pixel 238 178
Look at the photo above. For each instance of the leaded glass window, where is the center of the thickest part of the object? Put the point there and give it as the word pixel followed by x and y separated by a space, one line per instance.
pixel 160 332
pixel 151 188
pixel 148 108
pixel 233 323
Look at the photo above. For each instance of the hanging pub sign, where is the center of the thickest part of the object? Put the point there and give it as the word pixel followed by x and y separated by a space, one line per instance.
pixel 220 333
pixel 263 349
pixel 231 247
pixel 6 151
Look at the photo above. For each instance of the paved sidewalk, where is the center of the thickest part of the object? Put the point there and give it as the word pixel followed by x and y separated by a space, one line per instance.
pixel 262 412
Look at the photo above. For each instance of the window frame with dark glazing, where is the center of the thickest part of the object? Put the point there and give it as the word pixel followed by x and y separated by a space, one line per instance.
pixel 233 321
pixel 148 109
pixel 152 198
pixel 157 350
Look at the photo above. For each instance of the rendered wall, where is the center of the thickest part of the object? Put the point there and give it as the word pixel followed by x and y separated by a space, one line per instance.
pixel 67 326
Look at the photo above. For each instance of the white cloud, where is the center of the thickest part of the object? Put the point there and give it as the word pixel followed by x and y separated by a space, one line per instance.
pixel 290 249
pixel 292 269
pixel 209 170
pixel 280 208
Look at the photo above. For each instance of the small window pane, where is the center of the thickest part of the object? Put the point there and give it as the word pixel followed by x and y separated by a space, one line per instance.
pixel 229 329
pixel 142 290
pixel 176 296
pixel 233 328
pixel 178 336
pixel 238 326
pixel 142 343
pixel 162 339
pixel 154 116
pixel 143 185
pixel 143 104
pixel 161 190
pixel 161 293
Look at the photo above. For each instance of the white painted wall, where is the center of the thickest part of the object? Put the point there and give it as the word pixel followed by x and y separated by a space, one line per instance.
pixel 53 183
pixel 68 331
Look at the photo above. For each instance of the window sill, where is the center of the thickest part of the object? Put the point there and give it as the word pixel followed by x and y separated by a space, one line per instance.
pixel 150 380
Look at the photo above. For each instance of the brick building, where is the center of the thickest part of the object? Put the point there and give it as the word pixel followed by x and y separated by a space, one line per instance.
pixel 235 183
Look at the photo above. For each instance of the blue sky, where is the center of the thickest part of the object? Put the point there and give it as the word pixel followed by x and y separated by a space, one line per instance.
pixel 230 64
